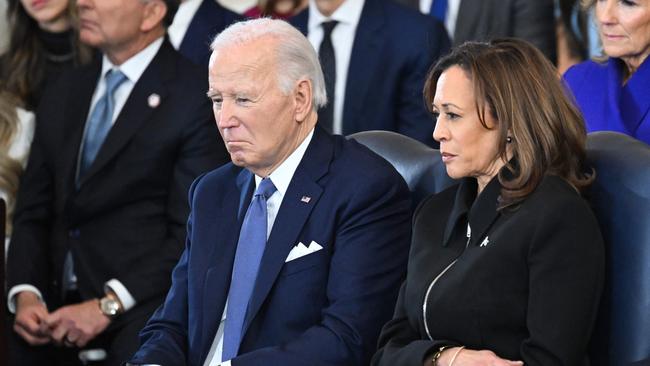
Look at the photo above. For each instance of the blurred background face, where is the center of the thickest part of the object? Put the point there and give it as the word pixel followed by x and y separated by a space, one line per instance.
pixel 51 15
pixel 109 23
pixel 624 27
pixel 327 7
pixel 468 149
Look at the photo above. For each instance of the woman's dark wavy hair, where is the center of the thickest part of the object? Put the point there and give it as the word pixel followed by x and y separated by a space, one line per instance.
pixel 23 64
pixel 522 91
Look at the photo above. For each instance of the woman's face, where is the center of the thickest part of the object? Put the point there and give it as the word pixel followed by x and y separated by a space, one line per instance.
pixel 51 15
pixel 625 29
pixel 468 149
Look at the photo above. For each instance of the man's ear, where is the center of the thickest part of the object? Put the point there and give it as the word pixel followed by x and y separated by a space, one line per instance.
pixel 154 13
pixel 303 99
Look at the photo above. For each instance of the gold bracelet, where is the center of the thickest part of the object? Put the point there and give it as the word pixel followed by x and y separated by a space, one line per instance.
pixel 453 358
pixel 436 356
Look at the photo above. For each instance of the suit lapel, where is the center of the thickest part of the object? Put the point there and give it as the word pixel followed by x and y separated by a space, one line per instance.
pixel 75 114
pixel 223 245
pixel 136 111
pixel 301 21
pixel 364 62
pixel 207 21
pixel 291 218
pixel 635 98
pixel 469 13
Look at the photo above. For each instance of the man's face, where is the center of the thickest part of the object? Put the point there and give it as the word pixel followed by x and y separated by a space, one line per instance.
pixel 109 24
pixel 328 7
pixel 257 121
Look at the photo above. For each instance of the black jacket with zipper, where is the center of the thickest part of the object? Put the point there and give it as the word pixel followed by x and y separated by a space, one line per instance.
pixel 526 284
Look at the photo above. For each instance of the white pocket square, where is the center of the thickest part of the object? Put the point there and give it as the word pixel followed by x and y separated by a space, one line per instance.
pixel 302 250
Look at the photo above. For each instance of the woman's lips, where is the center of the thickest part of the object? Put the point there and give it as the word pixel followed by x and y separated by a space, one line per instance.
pixel 37 4
pixel 446 157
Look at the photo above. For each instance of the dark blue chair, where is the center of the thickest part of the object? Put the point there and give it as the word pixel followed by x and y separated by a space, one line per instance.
pixel 620 197
pixel 419 164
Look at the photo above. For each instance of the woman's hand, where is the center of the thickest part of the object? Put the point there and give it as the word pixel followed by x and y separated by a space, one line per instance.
pixel 468 357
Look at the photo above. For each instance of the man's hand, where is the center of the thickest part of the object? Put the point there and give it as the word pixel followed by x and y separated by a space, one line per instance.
pixel 78 324
pixel 31 314
pixel 468 357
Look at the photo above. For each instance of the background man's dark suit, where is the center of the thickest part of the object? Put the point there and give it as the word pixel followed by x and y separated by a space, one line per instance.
pixel 127 218
pixel 393 49
pixel 210 19
pixel 532 20
pixel 325 308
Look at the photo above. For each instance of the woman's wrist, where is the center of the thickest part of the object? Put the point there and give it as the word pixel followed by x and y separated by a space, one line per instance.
pixel 447 356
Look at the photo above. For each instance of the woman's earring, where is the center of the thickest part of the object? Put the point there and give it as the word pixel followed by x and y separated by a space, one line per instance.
pixel 509 139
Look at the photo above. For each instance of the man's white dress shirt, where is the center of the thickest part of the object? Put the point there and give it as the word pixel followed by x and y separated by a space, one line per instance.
pixel 347 15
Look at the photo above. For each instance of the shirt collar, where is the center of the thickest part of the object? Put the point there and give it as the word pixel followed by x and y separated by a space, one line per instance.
pixel 134 67
pixel 348 13
pixel 479 212
pixel 282 175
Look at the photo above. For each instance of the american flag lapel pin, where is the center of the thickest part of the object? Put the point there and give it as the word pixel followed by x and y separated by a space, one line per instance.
pixel 153 100
pixel 305 199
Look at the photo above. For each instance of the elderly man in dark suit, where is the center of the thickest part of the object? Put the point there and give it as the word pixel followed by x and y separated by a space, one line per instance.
pixel 375 57
pixel 102 206
pixel 305 270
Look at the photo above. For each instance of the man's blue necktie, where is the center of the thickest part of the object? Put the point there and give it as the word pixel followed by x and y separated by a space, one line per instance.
pixel 250 248
pixel 100 121
pixel 439 9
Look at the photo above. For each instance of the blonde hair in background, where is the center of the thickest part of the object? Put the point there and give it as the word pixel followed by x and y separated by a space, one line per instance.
pixel 10 169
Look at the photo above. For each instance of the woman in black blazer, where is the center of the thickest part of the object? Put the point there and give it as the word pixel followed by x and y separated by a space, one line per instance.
pixel 506 268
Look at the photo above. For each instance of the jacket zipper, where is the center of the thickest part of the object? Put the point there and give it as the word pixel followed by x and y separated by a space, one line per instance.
pixel 426 296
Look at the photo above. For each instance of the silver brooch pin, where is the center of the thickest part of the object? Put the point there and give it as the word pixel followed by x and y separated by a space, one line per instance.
pixel 485 242
pixel 305 199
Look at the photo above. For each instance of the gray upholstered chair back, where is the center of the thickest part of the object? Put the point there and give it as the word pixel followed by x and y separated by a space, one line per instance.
pixel 620 198
pixel 419 164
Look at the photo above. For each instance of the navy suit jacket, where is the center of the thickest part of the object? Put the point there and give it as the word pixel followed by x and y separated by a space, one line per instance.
pixel 324 308
pixel 210 19
pixel 606 103
pixel 393 49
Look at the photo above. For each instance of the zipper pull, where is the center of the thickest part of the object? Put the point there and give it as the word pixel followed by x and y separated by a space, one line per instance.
pixel 469 234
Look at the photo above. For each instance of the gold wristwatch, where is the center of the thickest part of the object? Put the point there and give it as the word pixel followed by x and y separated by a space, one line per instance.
pixel 110 306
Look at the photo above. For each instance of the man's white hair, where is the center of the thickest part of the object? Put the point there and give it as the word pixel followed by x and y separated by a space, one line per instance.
pixel 295 56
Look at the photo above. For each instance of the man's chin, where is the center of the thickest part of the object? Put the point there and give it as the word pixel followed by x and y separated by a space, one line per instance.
pixel 90 39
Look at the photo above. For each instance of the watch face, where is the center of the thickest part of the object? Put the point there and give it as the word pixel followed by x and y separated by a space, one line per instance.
pixel 109 306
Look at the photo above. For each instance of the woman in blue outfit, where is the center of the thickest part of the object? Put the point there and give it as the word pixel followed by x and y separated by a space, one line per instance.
pixel 506 268
pixel 614 94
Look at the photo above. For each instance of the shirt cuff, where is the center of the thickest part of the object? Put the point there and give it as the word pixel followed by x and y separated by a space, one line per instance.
pixel 114 285
pixel 11 296
pixel 225 363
